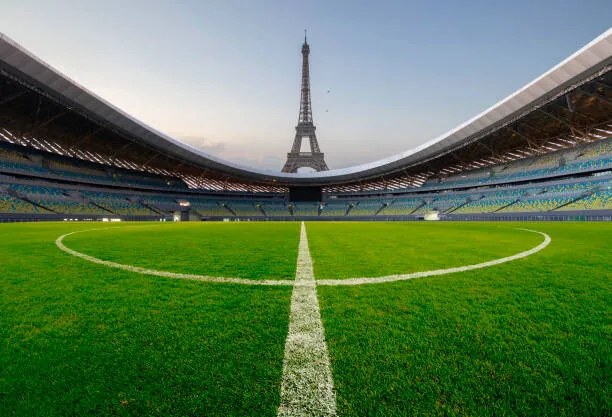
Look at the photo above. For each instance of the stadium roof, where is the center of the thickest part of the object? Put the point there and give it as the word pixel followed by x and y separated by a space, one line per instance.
pixel 590 62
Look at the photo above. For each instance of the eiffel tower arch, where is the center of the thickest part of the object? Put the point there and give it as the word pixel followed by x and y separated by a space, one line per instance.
pixel 305 129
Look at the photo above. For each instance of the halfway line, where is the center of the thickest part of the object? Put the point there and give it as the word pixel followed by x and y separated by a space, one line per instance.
pixel 307 387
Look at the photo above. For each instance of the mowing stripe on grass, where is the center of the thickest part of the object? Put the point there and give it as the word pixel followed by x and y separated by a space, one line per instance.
pixel 166 274
pixel 307 388
pixel 423 274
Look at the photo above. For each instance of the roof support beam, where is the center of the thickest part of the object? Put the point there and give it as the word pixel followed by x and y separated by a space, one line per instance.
pixel 462 162
pixel 568 103
pixel 123 148
pixel 574 112
pixel 483 145
pixel 51 119
pixel 12 97
pixel 562 121
pixel 603 83
pixel 539 132
pixel 151 159
pixel 37 125
pixel 531 143
pixel 597 96
pixel 83 140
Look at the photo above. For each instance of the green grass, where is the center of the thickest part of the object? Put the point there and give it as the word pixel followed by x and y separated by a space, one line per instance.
pixel 530 337
pixel 348 250
pixel 80 339
pixel 243 250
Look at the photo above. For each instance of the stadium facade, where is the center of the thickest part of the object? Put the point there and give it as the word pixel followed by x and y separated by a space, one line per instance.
pixel 543 152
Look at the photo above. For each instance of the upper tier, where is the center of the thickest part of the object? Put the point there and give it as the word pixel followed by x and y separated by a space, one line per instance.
pixel 588 63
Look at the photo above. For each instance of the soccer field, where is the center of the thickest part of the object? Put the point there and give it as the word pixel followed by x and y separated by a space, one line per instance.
pixel 219 319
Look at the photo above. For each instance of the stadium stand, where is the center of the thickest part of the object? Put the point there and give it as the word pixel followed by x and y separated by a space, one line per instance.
pixel 211 208
pixel 334 209
pixel 277 208
pixel 545 150
pixel 366 207
pixel 599 200
pixel 306 209
pixel 586 193
pixel 32 162
pixel 405 206
pixel 246 208
pixel 14 205
pixel 587 158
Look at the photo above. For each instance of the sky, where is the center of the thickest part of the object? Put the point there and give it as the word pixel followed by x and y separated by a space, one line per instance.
pixel 224 76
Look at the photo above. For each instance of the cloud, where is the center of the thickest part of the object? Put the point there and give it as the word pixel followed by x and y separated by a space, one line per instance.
pixel 267 162
pixel 247 153
pixel 204 144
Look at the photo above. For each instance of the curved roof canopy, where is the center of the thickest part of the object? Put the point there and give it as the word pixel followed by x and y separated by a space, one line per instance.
pixel 584 64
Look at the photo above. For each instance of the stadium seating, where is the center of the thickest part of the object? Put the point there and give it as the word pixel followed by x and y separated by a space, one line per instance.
pixel 589 157
pixel 485 205
pixel 484 195
pixel 13 205
pixel 334 208
pixel 207 208
pixel 599 200
pixel 442 203
pixel 117 203
pixel 591 193
pixel 81 171
pixel 366 207
pixel 404 206
pixel 276 209
pixel 306 209
pixel 246 208
pixel 162 203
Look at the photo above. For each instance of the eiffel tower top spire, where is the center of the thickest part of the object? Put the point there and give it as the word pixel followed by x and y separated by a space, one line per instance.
pixel 305 104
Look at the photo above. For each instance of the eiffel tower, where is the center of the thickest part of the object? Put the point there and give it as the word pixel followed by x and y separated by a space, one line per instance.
pixel 305 128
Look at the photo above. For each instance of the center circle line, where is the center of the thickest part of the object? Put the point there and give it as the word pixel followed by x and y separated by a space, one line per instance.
pixel 59 242
pixel 435 272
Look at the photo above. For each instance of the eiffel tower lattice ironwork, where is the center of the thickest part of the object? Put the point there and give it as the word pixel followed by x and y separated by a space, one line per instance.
pixel 305 129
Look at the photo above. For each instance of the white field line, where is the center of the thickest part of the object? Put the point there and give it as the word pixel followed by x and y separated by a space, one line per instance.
pixel 423 274
pixel 307 387
pixel 166 274
pixel 269 282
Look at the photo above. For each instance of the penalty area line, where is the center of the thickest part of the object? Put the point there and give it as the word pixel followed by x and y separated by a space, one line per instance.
pixel 307 387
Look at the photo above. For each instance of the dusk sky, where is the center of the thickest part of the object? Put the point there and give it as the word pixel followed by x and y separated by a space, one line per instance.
pixel 224 75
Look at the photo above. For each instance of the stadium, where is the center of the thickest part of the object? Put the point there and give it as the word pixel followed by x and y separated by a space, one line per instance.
pixel 467 276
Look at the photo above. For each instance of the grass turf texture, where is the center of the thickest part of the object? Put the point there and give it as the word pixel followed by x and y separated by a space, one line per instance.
pixel 83 340
pixel 353 249
pixel 241 250
pixel 531 337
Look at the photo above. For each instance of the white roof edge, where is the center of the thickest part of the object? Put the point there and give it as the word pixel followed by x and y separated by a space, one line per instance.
pixel 592 54
pixel 606 36
pixel 7 39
